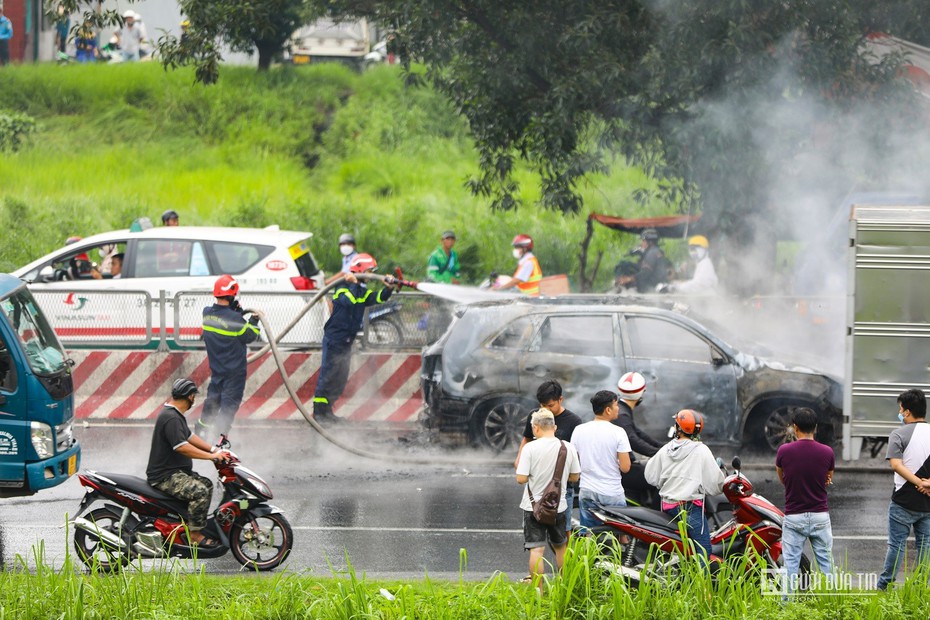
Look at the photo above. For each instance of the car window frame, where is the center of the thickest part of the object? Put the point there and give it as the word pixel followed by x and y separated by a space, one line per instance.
pixel 545 317
pixel 214 262
pixel 717 356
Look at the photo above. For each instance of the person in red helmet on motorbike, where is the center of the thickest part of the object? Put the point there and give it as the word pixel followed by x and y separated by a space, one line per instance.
pixel 528 274
pixel 170 466
pixel 685 472
pixel 227 334
pixel 349 303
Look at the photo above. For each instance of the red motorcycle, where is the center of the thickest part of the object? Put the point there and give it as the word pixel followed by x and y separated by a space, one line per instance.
pixel 139 521
pixel 753 532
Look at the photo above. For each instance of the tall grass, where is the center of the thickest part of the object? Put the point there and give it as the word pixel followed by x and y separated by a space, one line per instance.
pixel 583 590
pixel 317 148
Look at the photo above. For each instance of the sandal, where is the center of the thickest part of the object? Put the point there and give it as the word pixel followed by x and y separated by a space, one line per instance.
pixel 205 542
pixel 527 579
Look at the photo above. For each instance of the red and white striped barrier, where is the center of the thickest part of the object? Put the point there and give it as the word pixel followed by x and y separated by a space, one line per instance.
pixel 133 385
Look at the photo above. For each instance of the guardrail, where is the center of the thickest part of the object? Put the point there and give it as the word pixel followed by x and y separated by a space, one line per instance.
pixel 90 318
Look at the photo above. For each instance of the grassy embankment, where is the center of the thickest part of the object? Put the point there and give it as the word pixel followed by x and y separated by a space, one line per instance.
pixel 319 149
pixel 582 591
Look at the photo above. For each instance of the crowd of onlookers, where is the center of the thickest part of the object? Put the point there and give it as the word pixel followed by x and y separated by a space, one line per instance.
pixel 128 43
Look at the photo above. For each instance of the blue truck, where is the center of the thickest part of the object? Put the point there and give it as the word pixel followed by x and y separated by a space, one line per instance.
pixel 38 449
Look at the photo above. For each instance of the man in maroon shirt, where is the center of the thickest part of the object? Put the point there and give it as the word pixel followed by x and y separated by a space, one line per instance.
pixel 805 467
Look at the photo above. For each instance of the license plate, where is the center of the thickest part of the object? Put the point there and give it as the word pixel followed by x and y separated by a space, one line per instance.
pixel 72 464
pixel 301 60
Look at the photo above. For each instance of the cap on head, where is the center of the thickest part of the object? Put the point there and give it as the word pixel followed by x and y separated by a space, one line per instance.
pixel 700 241
pixel 522 241
pixel 632 386
pixel 448 235
pixel 346 238
pixel 689 422
pixel 225 286
pixel 130 14
pixel 362 263
pixel 183 388
pixel 650 234
pixel 72 239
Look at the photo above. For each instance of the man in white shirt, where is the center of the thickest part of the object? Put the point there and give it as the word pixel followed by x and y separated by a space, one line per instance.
pixel 130 38
pixel 604 451
pixel 535 469
pixel 704 279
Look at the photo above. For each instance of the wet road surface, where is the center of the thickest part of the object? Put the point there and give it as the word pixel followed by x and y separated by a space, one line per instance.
pixel 450 519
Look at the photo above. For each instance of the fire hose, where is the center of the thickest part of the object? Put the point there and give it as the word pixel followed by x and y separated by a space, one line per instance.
pixel 272 346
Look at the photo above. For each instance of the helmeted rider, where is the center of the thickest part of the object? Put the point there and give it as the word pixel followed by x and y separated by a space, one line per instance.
pixel 704 279
pixel 685 472
pixel 227 334
pixel 654 266
pixel 170 218
pixel 631 388
pixel 528 274
pixel 349 303
pixel 349 251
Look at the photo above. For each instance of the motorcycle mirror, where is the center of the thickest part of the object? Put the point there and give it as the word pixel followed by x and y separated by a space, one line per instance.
pixel 736 462
pixel 671 432
pixel 719 462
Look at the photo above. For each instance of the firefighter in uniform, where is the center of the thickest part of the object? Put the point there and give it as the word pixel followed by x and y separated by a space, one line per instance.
pixel 349 303
pixel 528 274
pixel 227 333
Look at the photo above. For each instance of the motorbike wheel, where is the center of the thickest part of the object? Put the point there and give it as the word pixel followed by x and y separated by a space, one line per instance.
pixel 261 543
pixel 96 553
pixel 384 333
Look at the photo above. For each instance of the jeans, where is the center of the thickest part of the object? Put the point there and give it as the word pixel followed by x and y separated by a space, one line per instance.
pixel 698 527
pixel 570 509
pixel 900 521
pixel 813 526
pixel 589 500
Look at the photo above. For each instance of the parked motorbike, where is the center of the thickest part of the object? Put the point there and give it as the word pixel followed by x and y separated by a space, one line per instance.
pixel 754 532
pixel 640 493
pixel 139 521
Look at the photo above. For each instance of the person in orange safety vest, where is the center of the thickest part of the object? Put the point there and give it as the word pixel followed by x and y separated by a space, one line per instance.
pixel 528 274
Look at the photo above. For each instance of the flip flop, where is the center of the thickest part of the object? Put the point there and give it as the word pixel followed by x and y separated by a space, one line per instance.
pixel 205 542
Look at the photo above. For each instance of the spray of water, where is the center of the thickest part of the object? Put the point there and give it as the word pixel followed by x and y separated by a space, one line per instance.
pixel 463 294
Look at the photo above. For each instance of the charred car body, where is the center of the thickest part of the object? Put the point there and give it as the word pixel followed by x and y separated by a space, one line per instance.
pixel 480 378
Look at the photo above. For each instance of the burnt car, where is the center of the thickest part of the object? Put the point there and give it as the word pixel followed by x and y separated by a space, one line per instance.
pixel 480 378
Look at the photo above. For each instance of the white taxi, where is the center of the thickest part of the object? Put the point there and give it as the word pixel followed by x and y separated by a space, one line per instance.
pixel 81 283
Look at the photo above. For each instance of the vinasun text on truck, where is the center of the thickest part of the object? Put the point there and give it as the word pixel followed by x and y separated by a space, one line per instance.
pixel 37 445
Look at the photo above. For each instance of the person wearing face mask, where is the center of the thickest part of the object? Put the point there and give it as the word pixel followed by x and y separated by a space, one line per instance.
pixel 348 251
pixel 528 274
pixel 704 280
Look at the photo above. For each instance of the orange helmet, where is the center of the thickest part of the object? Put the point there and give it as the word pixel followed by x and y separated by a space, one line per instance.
pixel 689 422
pixel 362 263
pixel 522 241
pixel 225 286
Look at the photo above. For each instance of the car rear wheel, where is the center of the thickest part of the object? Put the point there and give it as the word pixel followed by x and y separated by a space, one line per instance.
pixel 770 424
pixel 499 425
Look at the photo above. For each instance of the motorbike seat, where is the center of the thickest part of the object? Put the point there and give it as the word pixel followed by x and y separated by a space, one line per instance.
pixel 142 487
pixel 646 516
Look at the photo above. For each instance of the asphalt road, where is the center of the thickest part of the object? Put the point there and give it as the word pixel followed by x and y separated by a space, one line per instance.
pixel 455 517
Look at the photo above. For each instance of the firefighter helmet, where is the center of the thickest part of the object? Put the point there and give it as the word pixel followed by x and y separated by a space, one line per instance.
pixel 689 422
pixel 522 241
pixel 225 286
pixel 362 263
pixel 632 386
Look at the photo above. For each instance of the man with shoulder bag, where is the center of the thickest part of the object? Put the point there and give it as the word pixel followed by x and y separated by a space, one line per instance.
pixel 545 466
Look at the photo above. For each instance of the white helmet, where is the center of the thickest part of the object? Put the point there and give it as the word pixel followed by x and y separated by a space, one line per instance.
pixel 632 386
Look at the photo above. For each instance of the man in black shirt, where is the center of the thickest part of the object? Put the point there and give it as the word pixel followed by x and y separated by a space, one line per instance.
pixel 549 396
pixel 632 386
pixel 170 468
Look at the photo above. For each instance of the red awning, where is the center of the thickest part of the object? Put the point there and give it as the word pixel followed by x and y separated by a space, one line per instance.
pixel 666 226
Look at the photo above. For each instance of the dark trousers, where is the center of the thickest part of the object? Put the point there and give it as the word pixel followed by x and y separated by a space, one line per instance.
pixel 224 395
pixel 334 374
pixel 4 51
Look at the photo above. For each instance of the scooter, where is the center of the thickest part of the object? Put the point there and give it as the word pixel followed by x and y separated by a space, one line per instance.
pixel 139 521
pixel 754 532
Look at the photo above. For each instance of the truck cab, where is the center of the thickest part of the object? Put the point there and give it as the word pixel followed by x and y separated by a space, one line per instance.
pixel 37 445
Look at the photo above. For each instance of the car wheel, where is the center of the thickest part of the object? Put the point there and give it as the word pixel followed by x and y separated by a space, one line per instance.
pixel 500 424
pixel 770 427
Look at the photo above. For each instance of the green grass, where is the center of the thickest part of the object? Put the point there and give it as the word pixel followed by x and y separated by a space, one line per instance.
pixel 582 591
pixel 316 148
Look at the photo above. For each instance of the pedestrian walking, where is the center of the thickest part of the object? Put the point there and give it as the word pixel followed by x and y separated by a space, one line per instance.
pixel 909 455
pixel 227 334
pixel 604 452
pixel 535 468
pixel 805 467
pixel 549 396
pixel 349 303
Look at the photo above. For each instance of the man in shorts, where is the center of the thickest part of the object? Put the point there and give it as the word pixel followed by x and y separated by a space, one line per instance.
pixel 535 468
